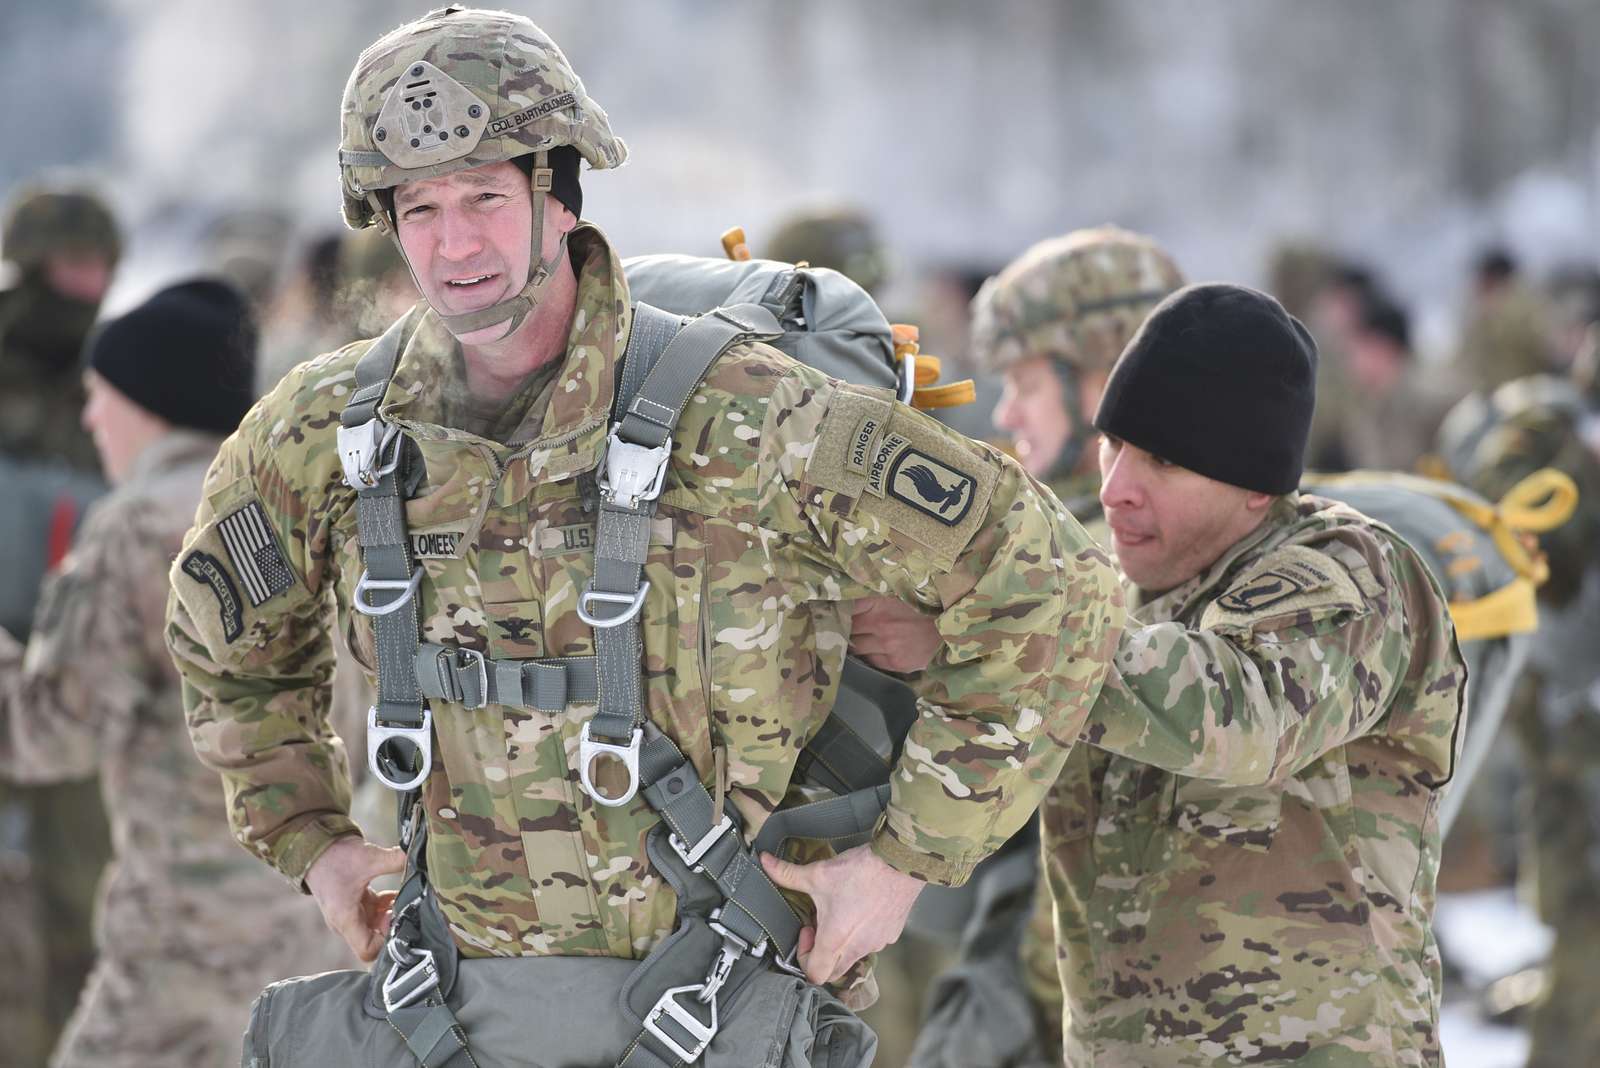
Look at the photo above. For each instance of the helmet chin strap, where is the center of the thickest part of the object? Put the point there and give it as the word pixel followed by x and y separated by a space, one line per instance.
pixel 515 309
pixel 1078 432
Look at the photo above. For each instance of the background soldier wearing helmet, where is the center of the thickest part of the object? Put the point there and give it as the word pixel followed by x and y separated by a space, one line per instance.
pixel 463 133
pixel 841 238
pixel 189 928
pixel 1053 322
pixel 1492 442
pixel 60 246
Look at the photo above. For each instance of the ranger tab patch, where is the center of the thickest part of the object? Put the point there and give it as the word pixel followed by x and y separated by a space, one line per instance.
pixel 203 567
pixel 253 549
pixel 931 487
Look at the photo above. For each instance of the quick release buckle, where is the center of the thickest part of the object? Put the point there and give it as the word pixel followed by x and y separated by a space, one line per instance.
pixel 633 473
pixel 368 452
pixel 590 750
pixel 418 979
pixel 453 660
pixel 400 757
pixel 691 855
pixel 698 1031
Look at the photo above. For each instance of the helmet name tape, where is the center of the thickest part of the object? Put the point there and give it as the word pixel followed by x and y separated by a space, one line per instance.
pixel 527 115
pixel 429 118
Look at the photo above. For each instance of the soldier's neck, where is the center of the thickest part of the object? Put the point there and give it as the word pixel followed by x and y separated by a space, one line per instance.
pixel 497 369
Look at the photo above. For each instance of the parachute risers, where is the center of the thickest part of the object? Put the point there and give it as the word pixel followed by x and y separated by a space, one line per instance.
pixel 925 395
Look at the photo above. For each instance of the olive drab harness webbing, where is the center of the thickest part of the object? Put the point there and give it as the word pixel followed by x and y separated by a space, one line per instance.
pixel 732 918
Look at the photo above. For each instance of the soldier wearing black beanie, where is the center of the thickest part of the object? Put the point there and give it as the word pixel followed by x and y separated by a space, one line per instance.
pixel 1220 380
pixel 188 355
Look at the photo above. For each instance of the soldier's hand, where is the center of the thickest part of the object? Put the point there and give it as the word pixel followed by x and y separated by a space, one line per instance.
pixel 892 635
pixel 862 905
pixel 341 880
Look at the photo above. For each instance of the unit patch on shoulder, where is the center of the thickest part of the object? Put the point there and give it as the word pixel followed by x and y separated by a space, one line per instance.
pixel 1293 578
pixel 203 567
pixel 254 552
pixel 931 487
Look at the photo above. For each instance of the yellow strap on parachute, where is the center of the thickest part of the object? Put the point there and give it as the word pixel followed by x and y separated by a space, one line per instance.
pixel 1539 503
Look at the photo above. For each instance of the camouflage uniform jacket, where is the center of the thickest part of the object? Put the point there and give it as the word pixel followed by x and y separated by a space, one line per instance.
pixel 1243 867
pixel 783 501
pixel 41 382
pixel 95 691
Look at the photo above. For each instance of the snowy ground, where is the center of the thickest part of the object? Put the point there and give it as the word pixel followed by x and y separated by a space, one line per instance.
pixel 1485 935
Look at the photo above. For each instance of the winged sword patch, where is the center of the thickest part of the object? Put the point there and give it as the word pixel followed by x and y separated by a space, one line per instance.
pixel 933 488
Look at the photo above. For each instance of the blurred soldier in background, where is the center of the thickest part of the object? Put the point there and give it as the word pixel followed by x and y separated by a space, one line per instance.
pixel 60 246
pixel 1051 323
pixel 1507 333
pixel 1302 276
pixel 191 926
pixel 834 236
pixel 1492 443
pixel 1400 409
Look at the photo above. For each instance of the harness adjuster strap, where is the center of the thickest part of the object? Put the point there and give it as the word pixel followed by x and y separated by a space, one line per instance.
pixel 450 663
pixel 418 979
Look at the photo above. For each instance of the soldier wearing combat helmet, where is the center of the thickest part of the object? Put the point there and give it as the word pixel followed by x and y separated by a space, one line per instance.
pixel 539 641
pixel 840 238
pixel 1053 322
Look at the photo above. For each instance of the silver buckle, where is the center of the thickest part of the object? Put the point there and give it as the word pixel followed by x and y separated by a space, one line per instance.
pixel 691 855
pixel 727 956
pixel 699 1030
pixel 380 735
pixel 452 660
pixel 417 981
pixel 361 452
pixel 633 473
pixel 634 601
pixel 590 750
pixel 365 585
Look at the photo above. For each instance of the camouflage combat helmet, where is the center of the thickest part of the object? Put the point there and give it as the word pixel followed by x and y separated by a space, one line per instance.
pixel 1076 299
pixel 840 238
pixel 456 89
pixel 44 219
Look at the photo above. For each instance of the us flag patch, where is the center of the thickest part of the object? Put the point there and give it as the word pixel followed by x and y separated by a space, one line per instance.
pixel 253 550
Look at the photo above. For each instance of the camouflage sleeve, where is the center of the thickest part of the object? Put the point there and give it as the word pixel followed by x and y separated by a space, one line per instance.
pixel 89 663
pixel 248 626
pixel 1304 652
pixel 890 501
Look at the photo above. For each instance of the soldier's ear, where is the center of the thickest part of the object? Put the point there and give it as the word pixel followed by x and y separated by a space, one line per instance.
pixel 560 213
pixel 1259 502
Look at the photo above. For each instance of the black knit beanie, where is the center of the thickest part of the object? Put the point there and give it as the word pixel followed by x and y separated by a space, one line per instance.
pixel 564 185
pixel 188 354
pixel 1221 380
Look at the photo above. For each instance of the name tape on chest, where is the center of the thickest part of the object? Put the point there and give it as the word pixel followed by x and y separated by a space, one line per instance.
pixel 437 545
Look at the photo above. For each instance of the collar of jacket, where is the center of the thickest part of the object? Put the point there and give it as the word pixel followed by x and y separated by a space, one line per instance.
pixel 576 422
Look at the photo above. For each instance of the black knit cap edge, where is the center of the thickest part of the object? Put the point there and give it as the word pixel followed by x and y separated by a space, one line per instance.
pixel 1219 379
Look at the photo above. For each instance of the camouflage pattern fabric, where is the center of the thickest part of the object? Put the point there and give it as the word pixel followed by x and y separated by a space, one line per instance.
pixel 190 928
pixel 42 334
pixel 1243 864
pixel 41 220
pixel 769 523
pixel 490 103
pixel 1076 298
